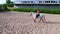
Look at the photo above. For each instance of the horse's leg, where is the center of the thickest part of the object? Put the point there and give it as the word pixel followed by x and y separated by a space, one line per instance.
pixel 40 19
pixel 35 20
pixel 43 19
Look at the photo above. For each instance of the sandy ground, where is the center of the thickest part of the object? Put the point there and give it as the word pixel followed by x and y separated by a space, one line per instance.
pixel 22 23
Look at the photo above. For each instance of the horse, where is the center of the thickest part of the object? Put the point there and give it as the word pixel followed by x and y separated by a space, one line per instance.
pixel 41 17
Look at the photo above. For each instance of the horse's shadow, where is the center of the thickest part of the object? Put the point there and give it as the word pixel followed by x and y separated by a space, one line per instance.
pixel 48 22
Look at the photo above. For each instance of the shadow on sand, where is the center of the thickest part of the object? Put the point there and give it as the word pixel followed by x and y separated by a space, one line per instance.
pixel 3 11
pixel 52 22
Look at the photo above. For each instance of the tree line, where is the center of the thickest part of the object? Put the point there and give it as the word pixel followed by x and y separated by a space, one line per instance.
pixel 4 7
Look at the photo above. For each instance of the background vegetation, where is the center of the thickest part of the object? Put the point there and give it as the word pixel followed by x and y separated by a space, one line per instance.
pixel 50 11
pixel 4 7
pixel 9 7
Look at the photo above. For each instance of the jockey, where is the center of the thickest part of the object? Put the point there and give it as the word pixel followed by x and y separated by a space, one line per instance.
pixel 38 14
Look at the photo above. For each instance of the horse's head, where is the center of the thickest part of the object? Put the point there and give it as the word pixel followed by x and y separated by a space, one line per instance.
pixel 31 13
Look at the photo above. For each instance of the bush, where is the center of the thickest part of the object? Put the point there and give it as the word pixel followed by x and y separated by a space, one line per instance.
pixel 3 7
pixel 50 11
pixel 23 9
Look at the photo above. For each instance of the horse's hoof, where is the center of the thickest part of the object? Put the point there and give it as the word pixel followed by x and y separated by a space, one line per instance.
pixel 43 22
pixel 34 21
pixel 39 21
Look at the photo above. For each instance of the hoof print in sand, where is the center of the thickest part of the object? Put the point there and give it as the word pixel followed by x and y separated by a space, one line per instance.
pixel 9 30
pixel 1 30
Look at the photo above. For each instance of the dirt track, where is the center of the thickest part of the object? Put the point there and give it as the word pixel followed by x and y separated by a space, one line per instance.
pixel 22 23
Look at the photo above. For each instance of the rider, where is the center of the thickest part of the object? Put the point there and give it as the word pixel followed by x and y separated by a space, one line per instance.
pixel 37 15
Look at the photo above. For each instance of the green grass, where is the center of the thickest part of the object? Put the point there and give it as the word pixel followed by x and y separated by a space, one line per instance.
pixel 49 11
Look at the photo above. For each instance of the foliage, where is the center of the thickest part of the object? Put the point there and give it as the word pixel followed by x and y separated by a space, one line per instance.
pixel 3 7
pixel 9 3
pixel 50 11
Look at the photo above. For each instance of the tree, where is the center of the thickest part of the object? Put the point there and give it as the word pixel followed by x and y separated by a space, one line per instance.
pixel 3 7
pixel 9 3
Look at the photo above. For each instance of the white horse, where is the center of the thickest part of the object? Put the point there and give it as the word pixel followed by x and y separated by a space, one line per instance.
pixel 41 17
